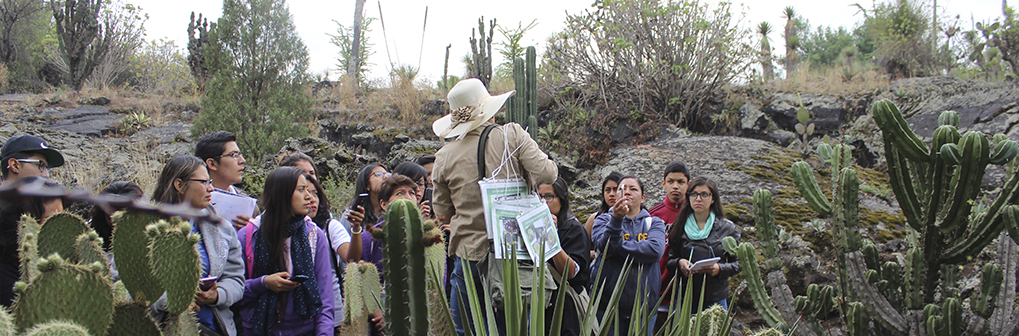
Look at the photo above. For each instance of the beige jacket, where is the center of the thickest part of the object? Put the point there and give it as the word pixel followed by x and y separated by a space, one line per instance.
pixel 457 195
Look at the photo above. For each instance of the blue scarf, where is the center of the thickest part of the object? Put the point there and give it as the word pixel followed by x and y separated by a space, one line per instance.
pixel 695 232
pixel 307 302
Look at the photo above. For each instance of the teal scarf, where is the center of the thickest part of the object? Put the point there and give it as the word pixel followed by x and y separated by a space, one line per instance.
pixel 694 232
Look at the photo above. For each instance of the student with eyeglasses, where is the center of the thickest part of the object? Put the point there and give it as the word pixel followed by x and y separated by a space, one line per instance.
pixel 364 207
pixel 574 258
pixel 697 235
pixel 28 155
pixel 226 165
pixel 185 179
pixel 419 175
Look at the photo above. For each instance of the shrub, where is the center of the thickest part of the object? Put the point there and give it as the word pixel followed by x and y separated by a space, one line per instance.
pixel 257 93
pixel 123 33
pixel 665 60
pixel 160 67
pixel 903 39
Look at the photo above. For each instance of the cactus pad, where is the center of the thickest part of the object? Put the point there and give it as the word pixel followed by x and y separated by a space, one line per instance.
pixel 175 263
pixel 132 319
pixel 88 248
pixel 29 254
pixel 66 292
pixel 58 234
pixel 131 252
pixel 27 225
pixel 182 325
pixel 7 323
pixel 58 328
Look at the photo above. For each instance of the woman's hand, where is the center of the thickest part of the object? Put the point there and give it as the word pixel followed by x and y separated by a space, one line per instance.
pixel 426 209
pixel 711 270
pixel 207 297
pixel 379 320
pixel 355 217
pixel 684 267
pixel 278 283
pixel 621 208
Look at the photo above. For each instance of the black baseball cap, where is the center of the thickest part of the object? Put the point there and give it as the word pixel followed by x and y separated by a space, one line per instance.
pixel 31 144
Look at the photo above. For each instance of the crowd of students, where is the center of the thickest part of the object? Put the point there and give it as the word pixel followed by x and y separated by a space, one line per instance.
pixel 277 270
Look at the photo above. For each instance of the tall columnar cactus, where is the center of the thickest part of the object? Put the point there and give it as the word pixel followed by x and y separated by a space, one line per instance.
pixel 523 106
pixel 362 294
pixel 175 263
pixel 991 277
pixel 403 255
pixel 946 321
pixel 845 184
pixel 131 251
pixel 64 291
pixel 58 234
pixel 937 206
pixel 764 220
pixel 856 321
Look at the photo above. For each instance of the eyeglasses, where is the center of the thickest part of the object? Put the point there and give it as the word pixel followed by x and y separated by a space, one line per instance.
pixel 699 195
pixel 549 197
pixel 43 167
pixel 206 183
pixel 235 155
pixel 382 175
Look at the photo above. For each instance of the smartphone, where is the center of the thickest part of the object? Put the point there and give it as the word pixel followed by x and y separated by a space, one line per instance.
pixel 207 283
pixel 362 199
pixel 428 197
pixel 299 278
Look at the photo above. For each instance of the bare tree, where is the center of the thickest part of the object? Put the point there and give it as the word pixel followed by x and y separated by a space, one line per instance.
pixel 13 14
pixel 125 25
pixel 355 48
pixel 77 27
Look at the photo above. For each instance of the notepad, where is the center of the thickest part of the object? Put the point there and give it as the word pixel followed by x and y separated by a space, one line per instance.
pixel 704 263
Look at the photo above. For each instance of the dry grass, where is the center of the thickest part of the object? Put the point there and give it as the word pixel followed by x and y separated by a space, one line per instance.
pixel 832 80
pixel 397 105
pixel 152 105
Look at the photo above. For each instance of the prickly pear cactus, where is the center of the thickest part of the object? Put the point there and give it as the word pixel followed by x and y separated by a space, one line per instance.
pixel 58 234
pixel 132 319
pixel 175 263
pixel 59 328
pixel 131 252
pixel 64 291
pixel 27 225
pixel 182 325
pixel 88 248
pixel 29 254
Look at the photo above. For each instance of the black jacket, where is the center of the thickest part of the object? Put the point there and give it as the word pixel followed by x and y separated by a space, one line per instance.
pixel 717 287
pixel 577 244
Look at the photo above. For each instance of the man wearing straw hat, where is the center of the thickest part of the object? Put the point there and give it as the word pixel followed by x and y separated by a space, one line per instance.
pixel 457 197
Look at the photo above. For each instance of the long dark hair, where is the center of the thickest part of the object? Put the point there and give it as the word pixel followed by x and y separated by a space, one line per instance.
pixel 322 216
pixel 101 221
pixel 563 193
pixel 361 187
pixel 179 167
pixel 412 170
pixel 614 177
pixel 276 196
pixel 34 206
pixel 687 211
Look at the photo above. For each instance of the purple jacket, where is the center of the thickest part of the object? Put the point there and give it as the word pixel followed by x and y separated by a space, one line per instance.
pixel 371 249
pixel 321 324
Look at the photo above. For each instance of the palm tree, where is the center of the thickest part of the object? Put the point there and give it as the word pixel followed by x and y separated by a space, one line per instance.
pixel 792 42
pixel 764 28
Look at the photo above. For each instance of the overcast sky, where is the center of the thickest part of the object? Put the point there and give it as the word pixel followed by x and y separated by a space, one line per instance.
pixel 450 23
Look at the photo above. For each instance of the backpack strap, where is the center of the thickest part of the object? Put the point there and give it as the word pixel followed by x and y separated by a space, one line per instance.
pixel 482 144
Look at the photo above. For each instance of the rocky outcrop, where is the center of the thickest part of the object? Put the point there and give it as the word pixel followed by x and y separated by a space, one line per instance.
pixel 86 120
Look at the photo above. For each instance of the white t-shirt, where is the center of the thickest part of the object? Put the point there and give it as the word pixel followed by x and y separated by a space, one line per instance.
pixel 337 236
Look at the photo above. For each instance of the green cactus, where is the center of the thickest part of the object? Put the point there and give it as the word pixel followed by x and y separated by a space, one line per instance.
pixel 764 220
pixel 818 302
pixel 856 320
pixel 59 328
pixel 131 251
pixel 950 280
pixel 29 254
pixel 523 106
pixel 182 325
pixel 355 320
pixel 948 118
pixel 403 255
pixel 175 263
pixel 132 319
pixel 949 323
pixel 847 210
pixel 991 277
pixel 439 320
pixel 65 291
pixel 58 234
pixel 7 327
pixel 809 189
pixel 88 249
pixel 714 321
pixel 27 225
pixel 765 306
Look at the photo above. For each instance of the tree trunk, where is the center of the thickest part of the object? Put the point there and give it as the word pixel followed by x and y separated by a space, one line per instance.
pixel 354 62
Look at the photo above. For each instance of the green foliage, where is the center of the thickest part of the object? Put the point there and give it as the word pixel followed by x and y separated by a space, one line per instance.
pixel 1000 42
pixel 764 28
pixel 511 48
pixel 903 37
pixel 344 40
pixel 824 46
pixel 160 67
pixel 606 58
pixel 256 93
pixel 25 24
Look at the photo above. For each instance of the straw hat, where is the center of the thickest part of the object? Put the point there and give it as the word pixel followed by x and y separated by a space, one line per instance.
pixel 470 105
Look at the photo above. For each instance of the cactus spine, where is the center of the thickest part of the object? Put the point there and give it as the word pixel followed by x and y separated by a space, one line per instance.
pixel 363 291
pixel 403 258
pixel 130 250
pixel 175 263
pixel 64 291
pixel 764 220
pixel 523 106
pixel 88 248
pixel 58 234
